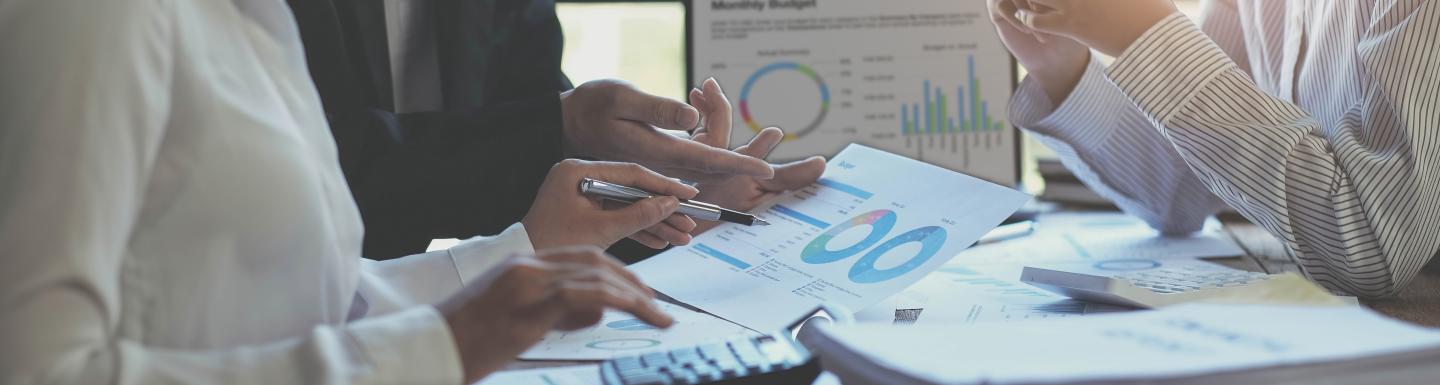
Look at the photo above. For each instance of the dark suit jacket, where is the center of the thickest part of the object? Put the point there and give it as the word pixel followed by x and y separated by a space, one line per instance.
pixel 470 169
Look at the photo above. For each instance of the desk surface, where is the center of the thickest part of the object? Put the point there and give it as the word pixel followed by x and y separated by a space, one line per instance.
pixel 1418 303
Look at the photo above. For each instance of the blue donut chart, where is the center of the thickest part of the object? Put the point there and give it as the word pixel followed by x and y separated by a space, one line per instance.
pixel 881 222
pixel 931 238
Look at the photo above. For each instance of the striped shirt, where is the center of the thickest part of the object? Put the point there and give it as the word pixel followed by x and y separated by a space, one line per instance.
pixel 1318 120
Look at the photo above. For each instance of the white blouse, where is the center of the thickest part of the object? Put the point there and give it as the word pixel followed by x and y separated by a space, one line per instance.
pixel 172 210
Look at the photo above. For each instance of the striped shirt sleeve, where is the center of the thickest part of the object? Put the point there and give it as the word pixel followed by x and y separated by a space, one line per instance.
pixel 1111 147
pixel 1354 203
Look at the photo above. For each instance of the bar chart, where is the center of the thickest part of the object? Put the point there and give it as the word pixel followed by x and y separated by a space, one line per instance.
pixel 930 124
pixel 849 72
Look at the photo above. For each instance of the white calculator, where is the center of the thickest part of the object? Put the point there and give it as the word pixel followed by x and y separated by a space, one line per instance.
pixel 1141 283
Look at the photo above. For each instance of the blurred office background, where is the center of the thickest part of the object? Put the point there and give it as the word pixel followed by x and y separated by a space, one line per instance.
pixel 643 42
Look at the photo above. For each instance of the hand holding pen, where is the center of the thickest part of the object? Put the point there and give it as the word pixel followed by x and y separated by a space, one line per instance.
pixel 693 209
pixel 560 216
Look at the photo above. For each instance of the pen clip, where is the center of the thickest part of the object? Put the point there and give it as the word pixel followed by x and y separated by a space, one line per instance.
pixel 612 191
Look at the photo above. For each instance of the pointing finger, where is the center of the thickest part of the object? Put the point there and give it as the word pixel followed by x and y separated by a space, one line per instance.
pixel 761 145
pixel 633 104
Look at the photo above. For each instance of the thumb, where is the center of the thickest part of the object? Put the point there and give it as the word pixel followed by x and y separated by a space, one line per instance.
pixel 795 175
pixel 640 215
pixel 671 114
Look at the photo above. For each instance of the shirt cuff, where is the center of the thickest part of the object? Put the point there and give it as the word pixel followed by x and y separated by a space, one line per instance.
pixel 1171 62
pixel 1073 122
pixel 476 256
pixel 413 346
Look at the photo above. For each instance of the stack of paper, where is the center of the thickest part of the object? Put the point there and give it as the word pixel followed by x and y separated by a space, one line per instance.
pixel 1190 344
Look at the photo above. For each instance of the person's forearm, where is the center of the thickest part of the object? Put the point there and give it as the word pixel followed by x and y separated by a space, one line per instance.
pixel 1112 147
pixel 1058 79
pixel 1350 211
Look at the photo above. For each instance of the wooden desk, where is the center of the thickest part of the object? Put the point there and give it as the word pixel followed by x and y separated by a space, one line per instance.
pixel 1418 303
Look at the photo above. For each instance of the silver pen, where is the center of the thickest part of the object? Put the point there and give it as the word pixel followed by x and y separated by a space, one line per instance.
pixel 693 209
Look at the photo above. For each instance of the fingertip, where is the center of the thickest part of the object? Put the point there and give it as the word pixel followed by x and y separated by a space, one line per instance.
pixel 687 224
pixel 696 97
pixel 764 170
pixel 657 317
pixel 772 131
pixel 683 240
pixel 688 118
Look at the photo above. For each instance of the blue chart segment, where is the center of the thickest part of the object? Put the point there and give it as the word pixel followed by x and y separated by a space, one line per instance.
pixel 880 221
pixel 717 254
pixel 789 212
pixel 931 238
pixel 929 123
pixel 846 188
pixel 629 324
pixel 623 344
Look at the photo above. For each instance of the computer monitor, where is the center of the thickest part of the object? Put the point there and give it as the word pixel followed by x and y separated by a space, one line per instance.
pixel 928 79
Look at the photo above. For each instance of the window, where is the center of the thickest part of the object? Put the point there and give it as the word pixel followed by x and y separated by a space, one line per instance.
pixel 640 42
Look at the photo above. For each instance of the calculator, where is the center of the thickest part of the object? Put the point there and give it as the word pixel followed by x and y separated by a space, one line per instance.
pixel 776 358
pixel 1140 283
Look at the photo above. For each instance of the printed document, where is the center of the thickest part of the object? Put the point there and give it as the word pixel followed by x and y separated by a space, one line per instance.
pixel 1186 340
pixel 874 224
pixel 621 334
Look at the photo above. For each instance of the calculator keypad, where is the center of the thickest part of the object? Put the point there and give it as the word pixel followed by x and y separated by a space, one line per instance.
pixel 707 363
pixel 1189 278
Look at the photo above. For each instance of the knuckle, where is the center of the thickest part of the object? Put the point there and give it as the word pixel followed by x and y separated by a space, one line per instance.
pixel 569 166
pixel 650 212
pixel 664 112
pixel 633 168
pixel 570 163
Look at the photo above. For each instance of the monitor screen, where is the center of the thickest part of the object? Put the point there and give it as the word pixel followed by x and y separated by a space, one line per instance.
pixel 928 79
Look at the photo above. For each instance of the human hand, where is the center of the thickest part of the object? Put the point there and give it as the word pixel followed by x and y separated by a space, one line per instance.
pixel 562 216
pixel 611 120
pixel 745 193
pixel 1109 26
pixel 740 192
pixel 512 307
pixel 1055 62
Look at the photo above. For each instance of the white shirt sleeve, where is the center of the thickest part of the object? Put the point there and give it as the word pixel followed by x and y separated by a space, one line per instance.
pixel 424 279
pixel 83 112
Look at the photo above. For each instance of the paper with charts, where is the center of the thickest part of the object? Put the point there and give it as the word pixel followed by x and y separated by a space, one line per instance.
pixel 874 224
pixel 1101 236
pixel 620 334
